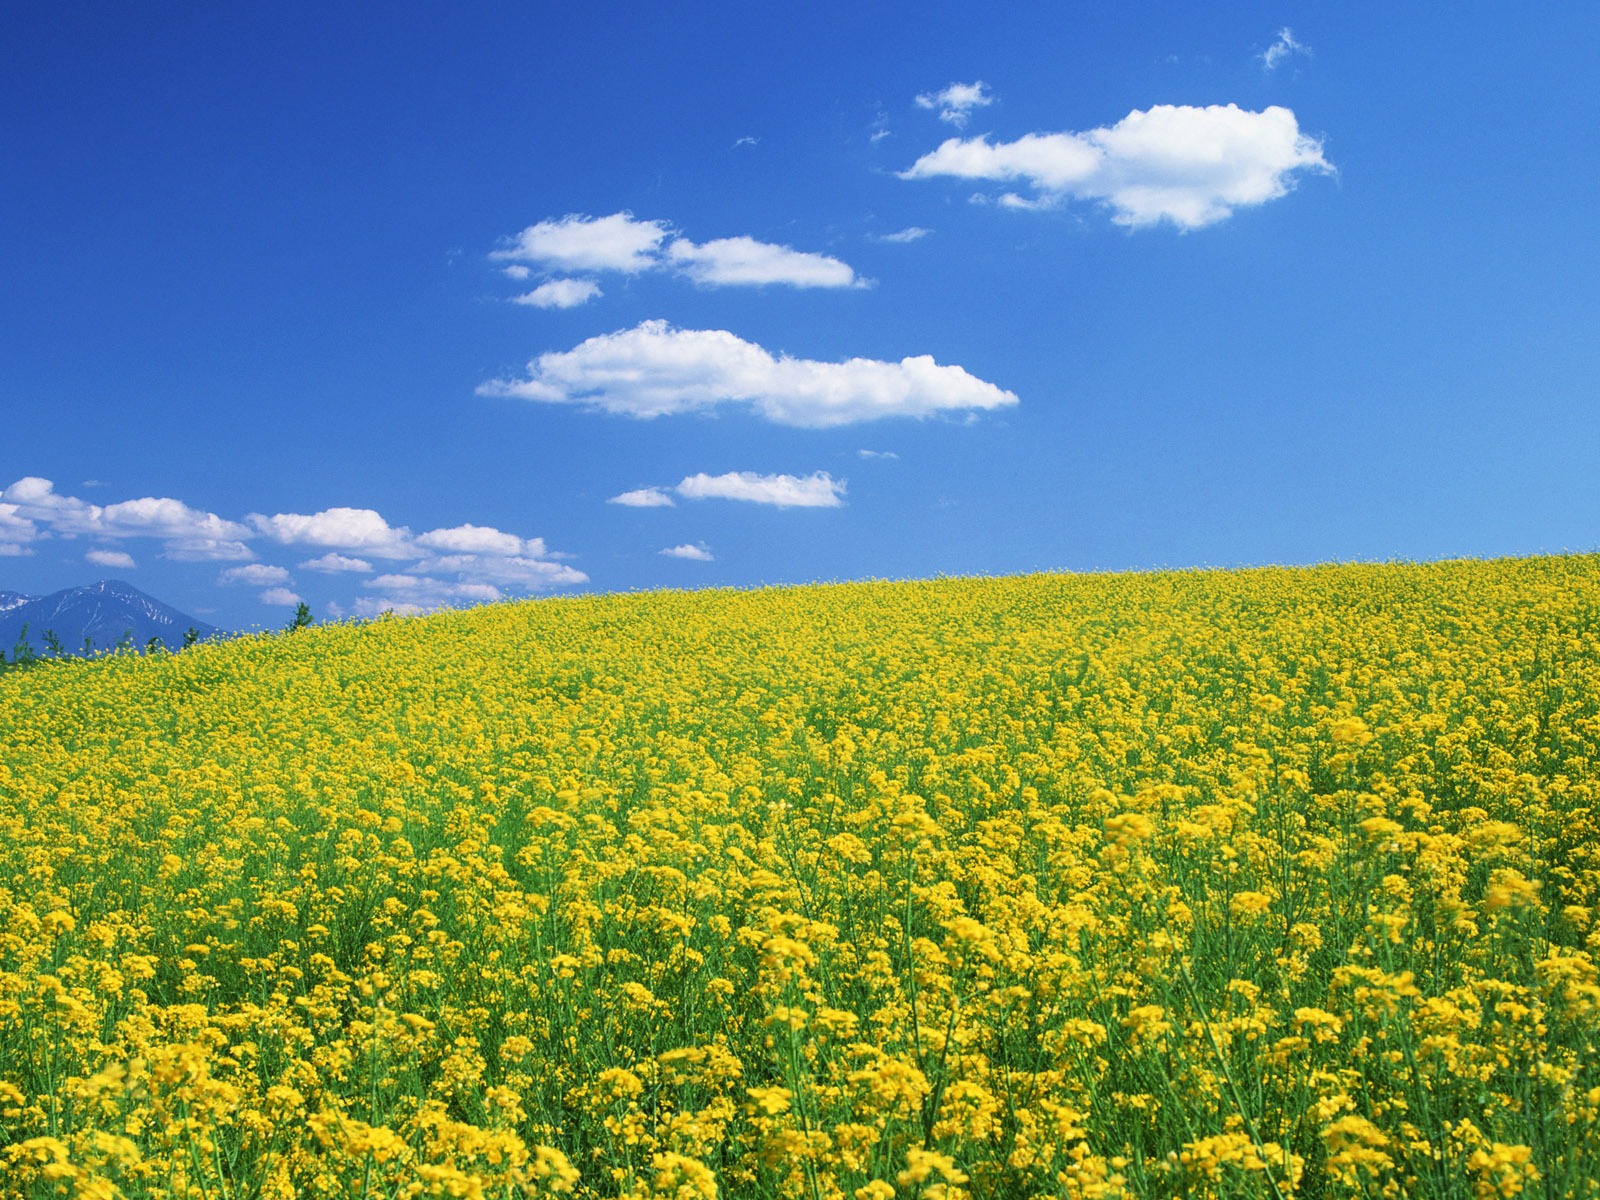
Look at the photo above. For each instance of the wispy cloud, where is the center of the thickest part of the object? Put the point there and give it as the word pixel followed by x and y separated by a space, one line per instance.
pixel 1285 47
pixel 696 552
pixel 955 103
pixel 333 563
pixel 870 454
pixel 817 490
pixel 254 574
pixel 1190 166
pixel 912 233
pixel 656 370
pixel 649 497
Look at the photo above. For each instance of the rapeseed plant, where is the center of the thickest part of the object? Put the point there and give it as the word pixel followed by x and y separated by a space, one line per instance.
pixel 1209 884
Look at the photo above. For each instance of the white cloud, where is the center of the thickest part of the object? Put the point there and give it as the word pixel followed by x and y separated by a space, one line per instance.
pixel 747 140
pixel 655 370
pixel 560 293
pixel 1191 166
pixel 332 563
pixel 650 497
pixel 955 103
pixel 480 539
pixel 343 528
pixel 13 550
pixel 745 261
pixel 254 574
pixel 14 527
pixel 911 233
pixel 280 596
pixel 1281 49
pixel 32 502
pixel 516 271
pixel 877 454
pixel 111 558
pixel 696 552
pixel 580 243
pixel 817 490
pixel 207 550
pixel 620 242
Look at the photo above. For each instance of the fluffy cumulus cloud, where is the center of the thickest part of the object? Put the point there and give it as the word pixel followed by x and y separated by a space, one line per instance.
pixel 623 243
pixel 460 564
pixel 955 103
pixel 119 559
pixel 343 528
pixel 817 490
pixel 254 574
pixel 656 370
pixel 693 551
pixel 1177 163
pixel 560 293
pixel 579 243
pixel 31 507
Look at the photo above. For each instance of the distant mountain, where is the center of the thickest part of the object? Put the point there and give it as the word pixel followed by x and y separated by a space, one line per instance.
pixel 102 612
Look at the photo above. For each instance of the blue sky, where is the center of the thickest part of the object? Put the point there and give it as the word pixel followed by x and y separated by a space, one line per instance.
pixel 412 305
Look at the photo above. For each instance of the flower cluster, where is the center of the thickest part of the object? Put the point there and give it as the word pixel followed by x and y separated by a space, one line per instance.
pixel 1200 884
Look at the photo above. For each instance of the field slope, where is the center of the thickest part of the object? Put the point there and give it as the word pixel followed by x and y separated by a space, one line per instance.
pixel 1256 883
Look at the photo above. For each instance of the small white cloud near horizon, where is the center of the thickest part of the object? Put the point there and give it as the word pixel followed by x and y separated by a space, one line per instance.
pixel 649 497
pixel 955 103
pixel 255 574
pixel 1283 48
pixel 332 563
pixel 1190 166
pixel 281 596
pixel 655 370
pixel 560 293
pixel 817 490
pixel 111 558
pixel 695 552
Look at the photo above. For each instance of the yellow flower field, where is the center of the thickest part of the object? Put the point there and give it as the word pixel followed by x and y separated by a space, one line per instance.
pixel 1260 883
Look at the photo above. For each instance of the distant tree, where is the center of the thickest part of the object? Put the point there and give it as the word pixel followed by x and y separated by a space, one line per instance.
pixel 190 637
pixel 88 646
pixel 22 653
pixel 155 646
pixel 124 643
pixel 57 650
pixel 302 618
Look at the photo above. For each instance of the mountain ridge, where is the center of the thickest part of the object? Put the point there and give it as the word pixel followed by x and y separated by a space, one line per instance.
pixel 103 613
